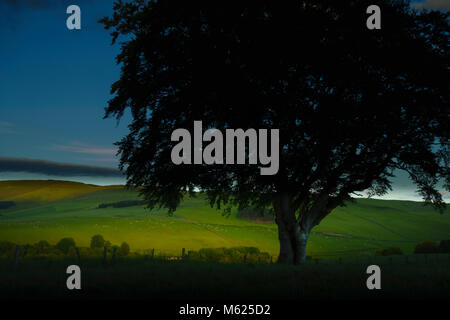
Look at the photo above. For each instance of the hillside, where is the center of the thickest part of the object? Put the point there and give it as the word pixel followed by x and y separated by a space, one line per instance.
pixel 44 190
pixel 51 210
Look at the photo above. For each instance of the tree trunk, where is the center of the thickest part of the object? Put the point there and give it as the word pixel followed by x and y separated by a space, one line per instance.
pixel 292 237
pixel 286 255
pixel 303 236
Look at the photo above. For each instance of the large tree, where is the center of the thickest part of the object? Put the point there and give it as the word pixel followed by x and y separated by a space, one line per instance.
pixel 352 104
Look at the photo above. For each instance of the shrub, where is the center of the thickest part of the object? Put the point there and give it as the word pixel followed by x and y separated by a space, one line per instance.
pixel 115 248
pixel 89 252
pixel 7 249
pixel 122 204
pixel 64 245
pixel 72 252
pixel 444 246
pixel 230 255
pixel 42 246
pixel 211 254
pixel 124 249
pixel 30 251
pixel 245 250
pixel 97 241
pixel 389 251
pixel 427 247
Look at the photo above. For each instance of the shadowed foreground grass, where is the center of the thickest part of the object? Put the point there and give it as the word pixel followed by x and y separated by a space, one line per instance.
pixel 140 278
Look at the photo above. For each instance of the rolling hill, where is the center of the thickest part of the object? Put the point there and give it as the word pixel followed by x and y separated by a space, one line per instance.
pixel 51 210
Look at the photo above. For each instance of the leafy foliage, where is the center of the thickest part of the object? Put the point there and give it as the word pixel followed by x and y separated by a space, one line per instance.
pixel 230 255
pixel 124 249
pixel 7 248
pixel 42 246
pixel 427 247
pixel 444 246
pixel 64 248
pixel 353 105
pixel 97 241
pixel 65 244
pixel 122 204
pixel 389 251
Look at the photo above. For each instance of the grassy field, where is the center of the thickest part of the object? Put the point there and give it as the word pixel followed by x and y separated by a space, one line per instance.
pixel 51 210
pixel 140 278
pixel 348 238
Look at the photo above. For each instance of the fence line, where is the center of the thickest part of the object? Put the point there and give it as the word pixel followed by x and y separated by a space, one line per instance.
pixel 364 259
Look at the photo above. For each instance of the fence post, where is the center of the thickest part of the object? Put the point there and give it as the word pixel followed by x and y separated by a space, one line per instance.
pixel 104 255
pixel 271 259
pixel 16 257
pixel 183 250
pixel 78 254
pixel 245 258
pixel 114 255
pixel 153 253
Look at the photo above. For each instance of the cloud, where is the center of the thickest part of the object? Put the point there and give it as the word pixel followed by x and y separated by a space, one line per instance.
pixel 77 147
pixel 432 4
pixel 55 168
pixel 103 160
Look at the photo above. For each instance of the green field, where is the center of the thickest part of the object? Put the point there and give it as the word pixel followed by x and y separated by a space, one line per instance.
pixel 419 277
pixel 51 210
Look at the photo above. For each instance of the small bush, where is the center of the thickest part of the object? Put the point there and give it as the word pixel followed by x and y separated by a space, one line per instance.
pixel 230 255
pixel 444 246
pixel 389 251
pixel 42 246
pixel 124 249
pixel 7 249
pixel 72 252
pixel 426 247
pixel 97 241
pixel 90 253
pixel 122 204
pixel 64 245
pixel 115 248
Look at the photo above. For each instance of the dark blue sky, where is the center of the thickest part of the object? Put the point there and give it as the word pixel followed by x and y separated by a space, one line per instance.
pixel 55 84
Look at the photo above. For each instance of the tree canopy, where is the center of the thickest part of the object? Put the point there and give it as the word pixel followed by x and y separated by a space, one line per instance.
pixel 352 104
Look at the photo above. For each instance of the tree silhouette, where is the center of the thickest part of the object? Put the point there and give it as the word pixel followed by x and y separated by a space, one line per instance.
pixel 352 104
